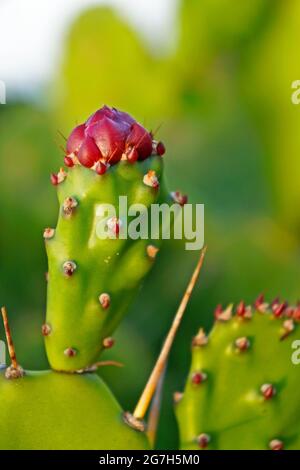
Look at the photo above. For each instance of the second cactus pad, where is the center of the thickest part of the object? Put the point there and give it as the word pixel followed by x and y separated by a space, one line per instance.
pixel 92 279
pixel 241 389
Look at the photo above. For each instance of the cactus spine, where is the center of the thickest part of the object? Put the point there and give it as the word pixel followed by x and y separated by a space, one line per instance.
pixel 240 392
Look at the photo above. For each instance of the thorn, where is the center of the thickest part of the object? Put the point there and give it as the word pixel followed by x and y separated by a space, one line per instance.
pixel 276 444
pixel 177 397
pixel 153 133
pixel 150 179
pixel 108 342
pixel 203 440
pixel 70 352
pixel 48 233
pixel 224 315
pixel 154 413
pixel 61 134
pixel 69 267
pixel 46 329
pixel 179 198
pixel 151 385
pixel 200 339
pixel 152 251
pixel 69 205
pixel 47 276
pixel 268 391
pixel 198 378
pixel 104 300
pixel 15 371
pixel 242 344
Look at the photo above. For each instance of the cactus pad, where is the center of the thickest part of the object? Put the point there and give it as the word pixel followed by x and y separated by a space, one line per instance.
pixel 92 280
pixel 49 410
pixel 241 391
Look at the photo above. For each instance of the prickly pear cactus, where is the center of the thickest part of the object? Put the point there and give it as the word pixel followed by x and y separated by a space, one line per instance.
pixel 92 280
pixel 241 391
pixel 50 410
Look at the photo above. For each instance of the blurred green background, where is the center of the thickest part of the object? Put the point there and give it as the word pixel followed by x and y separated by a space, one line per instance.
pixel 222 99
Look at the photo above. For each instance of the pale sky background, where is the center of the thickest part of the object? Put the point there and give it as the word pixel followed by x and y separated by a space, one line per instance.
pixel 31 34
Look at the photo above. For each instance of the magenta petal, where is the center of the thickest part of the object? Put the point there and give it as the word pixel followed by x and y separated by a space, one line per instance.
pixel 141 140
pixel 88 153
pixel 103 112
pixel 75 139
pixel 109 137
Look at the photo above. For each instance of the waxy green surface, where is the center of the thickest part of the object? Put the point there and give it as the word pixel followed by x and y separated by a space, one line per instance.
pixel 52 410
pixel 113 266
pixel 229 406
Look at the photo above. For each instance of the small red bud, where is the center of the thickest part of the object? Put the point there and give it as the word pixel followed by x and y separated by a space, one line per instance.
pixel 180 198
pixel 268 391
pixel 108 343
pixel 46 329
pixel 70 352
pixel 218 311
pixel 69 267
pixel 198 378
pixel 101 168
pixel 160 149
pixel 276 444
pixel 241 309
pixel 69 161
pixel 242 344
pixel 104 300
pixel 259 301
pixel 278 309
pixel 203 440
pixel 132 155
pixel 54 179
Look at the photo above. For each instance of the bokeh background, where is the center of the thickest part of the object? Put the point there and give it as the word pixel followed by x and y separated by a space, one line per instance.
pixel 215 77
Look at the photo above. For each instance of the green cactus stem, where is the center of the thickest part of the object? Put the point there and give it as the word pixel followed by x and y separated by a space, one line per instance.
pixel 91 280
pixel 241 392
pixel 53 411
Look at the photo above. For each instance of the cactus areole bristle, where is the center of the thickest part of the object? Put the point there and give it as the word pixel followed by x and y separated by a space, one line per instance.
pixel 108 136
pixel 93 279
